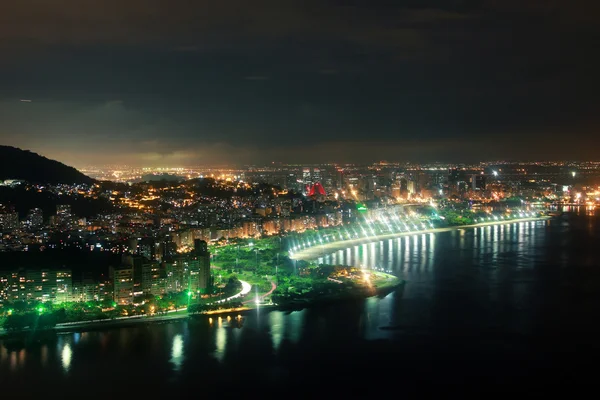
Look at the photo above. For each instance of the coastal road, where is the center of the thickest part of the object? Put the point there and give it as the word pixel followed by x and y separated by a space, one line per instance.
pixel 246 287
pixel 273 287
pixel 170 315
pixel 313 253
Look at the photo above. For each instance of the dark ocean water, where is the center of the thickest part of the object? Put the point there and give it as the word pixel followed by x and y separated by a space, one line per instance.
pixel 491 309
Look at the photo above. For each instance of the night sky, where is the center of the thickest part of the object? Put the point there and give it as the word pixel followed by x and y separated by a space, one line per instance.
pixel 175 83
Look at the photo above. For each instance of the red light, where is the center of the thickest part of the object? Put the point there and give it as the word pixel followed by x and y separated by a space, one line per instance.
pixel 316 189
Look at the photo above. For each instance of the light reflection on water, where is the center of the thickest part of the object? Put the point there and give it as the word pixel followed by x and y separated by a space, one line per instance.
pixel 66 355
pixel 221 341
pixel 177 352
pixel 16 359
pixel 3 355
pixel 411 256
pixel 295 322
pixel 276 323
pixel 44 355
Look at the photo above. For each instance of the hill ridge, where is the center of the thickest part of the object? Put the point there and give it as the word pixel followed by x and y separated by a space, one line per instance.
pixel 19 164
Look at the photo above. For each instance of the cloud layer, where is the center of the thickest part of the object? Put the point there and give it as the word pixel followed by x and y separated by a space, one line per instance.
pixel 154 82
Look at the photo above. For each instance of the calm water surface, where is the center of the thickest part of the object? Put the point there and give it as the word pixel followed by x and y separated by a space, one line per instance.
pixel 510 304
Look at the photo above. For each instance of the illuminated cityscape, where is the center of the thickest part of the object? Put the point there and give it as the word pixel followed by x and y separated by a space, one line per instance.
pixel 157 218
pixel 305 199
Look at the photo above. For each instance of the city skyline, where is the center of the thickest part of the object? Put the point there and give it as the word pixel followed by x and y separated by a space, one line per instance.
pixel 161 84
pixel 178 166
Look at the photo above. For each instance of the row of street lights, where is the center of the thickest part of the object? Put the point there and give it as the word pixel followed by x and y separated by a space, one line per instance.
pixel 400 226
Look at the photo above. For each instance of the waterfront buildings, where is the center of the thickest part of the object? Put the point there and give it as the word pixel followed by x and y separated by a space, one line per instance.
pixel 37 285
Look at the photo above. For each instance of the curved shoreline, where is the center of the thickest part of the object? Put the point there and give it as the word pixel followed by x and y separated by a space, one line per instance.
pixel 391 283
pixel 306 255
pixel 313 253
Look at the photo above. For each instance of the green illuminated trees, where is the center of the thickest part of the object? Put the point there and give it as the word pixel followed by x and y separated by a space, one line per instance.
pixel 30 320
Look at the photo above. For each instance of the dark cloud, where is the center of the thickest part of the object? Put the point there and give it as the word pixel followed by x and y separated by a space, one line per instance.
pixel 194 24
pixel 235 80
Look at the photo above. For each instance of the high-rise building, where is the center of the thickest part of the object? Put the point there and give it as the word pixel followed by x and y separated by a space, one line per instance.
pixel 16 282
pixel 174 276
pixel 136 262
pixel 35 218
pixel 316 175
pixel 339 179
pixel 9 219
pixel 153 281
pixel 477 182
pixel 411 187
pixel 167 249
pixel 455 175
pixel 88 289
pixel 40 285
pixel 292 182
pixel 306 178
pixel 122 278
pixel 63 286
pixel 147 248
pixel 63 215
pixel 202 265
pixel 250 228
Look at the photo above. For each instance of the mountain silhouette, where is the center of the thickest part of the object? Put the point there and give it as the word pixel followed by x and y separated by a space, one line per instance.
pixel 31 167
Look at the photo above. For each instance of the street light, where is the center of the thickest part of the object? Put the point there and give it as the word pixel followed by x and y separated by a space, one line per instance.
pixel 189 296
